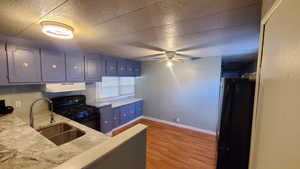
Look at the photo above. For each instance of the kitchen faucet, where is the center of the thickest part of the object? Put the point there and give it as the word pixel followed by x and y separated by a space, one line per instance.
pixel 31 111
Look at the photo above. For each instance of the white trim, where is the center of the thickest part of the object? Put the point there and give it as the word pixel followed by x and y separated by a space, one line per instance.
pixel 269 13
pixel 134 120
pixel 181 125
pixel 255 117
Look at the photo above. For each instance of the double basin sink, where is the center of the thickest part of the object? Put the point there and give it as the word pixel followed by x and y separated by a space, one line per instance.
pixel 61 133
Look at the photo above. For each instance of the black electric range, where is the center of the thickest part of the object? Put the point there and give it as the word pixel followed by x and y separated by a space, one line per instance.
pixel 75 108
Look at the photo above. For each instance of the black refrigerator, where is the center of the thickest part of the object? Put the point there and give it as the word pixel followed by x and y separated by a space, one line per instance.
pixel 235 125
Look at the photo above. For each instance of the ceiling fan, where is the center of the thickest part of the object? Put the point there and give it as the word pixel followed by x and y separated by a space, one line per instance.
pixel 168 56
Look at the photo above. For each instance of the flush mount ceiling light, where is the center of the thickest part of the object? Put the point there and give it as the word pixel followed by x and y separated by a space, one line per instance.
pixel 57 30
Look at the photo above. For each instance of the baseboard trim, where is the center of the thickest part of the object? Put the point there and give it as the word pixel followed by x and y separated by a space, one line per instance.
pixel 134 120
pixel 180 125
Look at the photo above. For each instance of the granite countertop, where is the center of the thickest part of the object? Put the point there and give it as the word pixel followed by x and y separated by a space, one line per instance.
pixel 22 147
pixel 116 103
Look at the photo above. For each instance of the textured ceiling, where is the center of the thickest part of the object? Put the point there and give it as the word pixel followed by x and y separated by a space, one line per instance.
pixel 137 28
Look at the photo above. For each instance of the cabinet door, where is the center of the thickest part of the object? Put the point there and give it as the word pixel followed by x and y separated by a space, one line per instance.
pixel 124 115
pixel 116 117
pixel 75 66
pixel 111 67
pixel 53 66
pixel 139 108
pixel 122 67
pixel 92 68
pixel 106 117
pixel 3 65
pixel 129 68
pixel 137 68
pixel 24 64
pixel 131 111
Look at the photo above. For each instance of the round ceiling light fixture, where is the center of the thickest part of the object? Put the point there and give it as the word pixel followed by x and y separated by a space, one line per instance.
pixel 57 30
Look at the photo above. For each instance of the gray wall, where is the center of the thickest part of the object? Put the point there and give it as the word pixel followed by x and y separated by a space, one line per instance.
pixel 190 91
pixel 28 93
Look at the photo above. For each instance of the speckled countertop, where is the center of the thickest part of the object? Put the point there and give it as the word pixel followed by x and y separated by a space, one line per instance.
pixel 117 103
pixel 22 147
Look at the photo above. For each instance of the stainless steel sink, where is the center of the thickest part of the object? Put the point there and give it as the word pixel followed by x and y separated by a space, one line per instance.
pixel 61 133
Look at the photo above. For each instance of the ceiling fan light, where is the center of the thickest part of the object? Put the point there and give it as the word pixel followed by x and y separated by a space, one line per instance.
pixel 57 30
pixel 169 64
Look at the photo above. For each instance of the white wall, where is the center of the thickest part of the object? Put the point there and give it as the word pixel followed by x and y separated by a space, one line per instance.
pixel 190 91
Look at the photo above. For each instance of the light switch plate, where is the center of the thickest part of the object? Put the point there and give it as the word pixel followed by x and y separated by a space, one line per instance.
pixel 18 104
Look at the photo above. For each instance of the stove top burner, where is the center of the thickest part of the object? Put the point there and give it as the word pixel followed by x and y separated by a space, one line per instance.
pixel 74 107
pixel 78 113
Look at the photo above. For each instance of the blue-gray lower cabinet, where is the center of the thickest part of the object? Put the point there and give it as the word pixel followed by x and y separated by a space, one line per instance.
pixel 53 66
pixel 139 108
pixel 75 66
pixel 131 111
pixel 116 117
pixel 106 119
pixel 3 65
pixel 24 64
pixel 124 115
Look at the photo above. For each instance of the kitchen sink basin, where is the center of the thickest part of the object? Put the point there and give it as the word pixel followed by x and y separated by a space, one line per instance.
pixel 61 133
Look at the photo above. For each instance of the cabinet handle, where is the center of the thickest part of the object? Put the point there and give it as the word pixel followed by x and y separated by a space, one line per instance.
pixel 54 66
pixel 25 64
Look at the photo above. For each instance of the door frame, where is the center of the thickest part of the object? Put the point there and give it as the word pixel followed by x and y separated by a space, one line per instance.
pixel 258 84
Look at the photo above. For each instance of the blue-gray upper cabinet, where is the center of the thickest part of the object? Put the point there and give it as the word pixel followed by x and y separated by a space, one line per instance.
pixel 122 67
pixel 130 68
pixel 3 65
pixel 53 66
pixel 75 66
pixel 111 66
pixel 24 64
pixel 137 68
pixel 92 68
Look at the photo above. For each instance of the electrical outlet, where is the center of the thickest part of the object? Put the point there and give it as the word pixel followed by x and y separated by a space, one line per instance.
pixel 177 120
pixel 18 103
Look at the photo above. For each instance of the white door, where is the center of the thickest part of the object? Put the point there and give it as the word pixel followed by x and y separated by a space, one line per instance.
pixel 277 141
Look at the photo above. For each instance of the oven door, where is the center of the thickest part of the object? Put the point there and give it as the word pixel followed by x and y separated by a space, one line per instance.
pixel 92 122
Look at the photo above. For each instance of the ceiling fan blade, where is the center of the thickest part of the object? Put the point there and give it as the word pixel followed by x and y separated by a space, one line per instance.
pixel 145 46
pixel 151 56
pixel 163 60
pixel 193 47
pixel 188 56
pixel 178 60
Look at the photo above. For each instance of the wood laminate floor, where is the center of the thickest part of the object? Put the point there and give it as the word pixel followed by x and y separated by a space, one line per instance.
pixel 170 147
